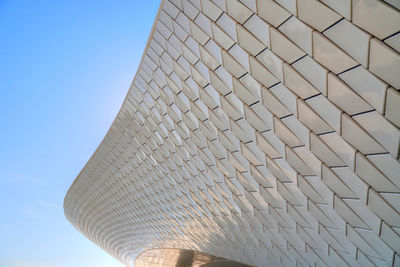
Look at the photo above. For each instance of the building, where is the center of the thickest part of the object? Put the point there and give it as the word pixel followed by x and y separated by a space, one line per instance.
pixel 265 132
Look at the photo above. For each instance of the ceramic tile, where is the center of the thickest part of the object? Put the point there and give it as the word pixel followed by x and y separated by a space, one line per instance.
pixel 375 17
pixel 238 11
pixel 384 63
pixel 295 82
pixel 240 55
pixel 313 72
pixel 360 139
pixel 331 56
pixel 323 152
pixel 344 97
pixel 221 37
pixel 357 185
pixel 259 72
pixel 369 87
pixel 289 5
pixel 273 104
pixel 286 97
pixel 285 134
pixel 248 41
pixel 311 119
pixel 190 10
pixel 342 7
pixel 392 112
pixel 199 35
pixel 210 9
pixel 388 165
pixel 232 65
pixel 259 29
pixel 299 33
pixel 324 108
pixel 298 129
pixel 377 204
pixel 336 184
pixel 228 25
pixel 283 47
pixel 316 14
pixel 272 63
pixel 351 39
pixel 271 12
pixel 338 145
pixel 383 131
pixel 394 42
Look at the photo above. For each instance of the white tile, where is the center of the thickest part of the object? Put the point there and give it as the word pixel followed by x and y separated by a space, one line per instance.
pixel 259 29
pixel 285 134
pixel 283 47
pixel 392 112
pixel 372 89
pixel 352 181
pixel 238 53
pixel 324 108
pixel 228 25
pixel 248 41
pixel 344 97
pixel 238 11
pixel 233 66
pixel 273 104
pixel 351 39
pixel 316 14
pixel 385 63
pixel 286 97
pixel 343 7
pixel 221 37
pixel 250 4
pixel 295 82
pixel 313 72
pixel 331 56
pixel 289 5
pixel 271 12
pixel 299 33
pixel 358 138
pixel 383 131
pixel 376 17
pixel 338 145
pixel 261 74
pixel 394 42
pixel 388 165
pixel 336 184
pixel 311 119
pixel 204 23
pixel 210 9
pixel 272 63
pixel 323 152
pixel 383 209
pixel 297 128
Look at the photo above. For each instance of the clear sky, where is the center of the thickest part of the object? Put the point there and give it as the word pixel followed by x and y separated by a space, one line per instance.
pixel 65 67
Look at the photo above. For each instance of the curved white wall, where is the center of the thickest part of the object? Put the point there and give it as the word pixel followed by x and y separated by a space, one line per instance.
pixel 264 131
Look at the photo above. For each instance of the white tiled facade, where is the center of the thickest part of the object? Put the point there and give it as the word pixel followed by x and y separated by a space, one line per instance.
pixel 260 131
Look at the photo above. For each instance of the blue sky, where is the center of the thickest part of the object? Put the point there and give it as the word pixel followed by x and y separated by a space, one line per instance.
pixel 65 67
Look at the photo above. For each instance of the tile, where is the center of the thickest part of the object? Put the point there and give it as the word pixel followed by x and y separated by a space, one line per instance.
pixel 383 131
pixel 331 56
pixel 389 166
pixel 385 63
pixel 273 104
pixel 392 112
pixel 295 82
pixel 351 39
pixel 190 10
pixel 313 72
pixel 232 65
pixel 323 152
pixel 394 42
pixel 210 9
pixel 390 237
pixel 228 25
pixel 298 129
pixel 289 5
pixel 344 150
pixel 328 112
pixel 371 175
pixel 204 23
pixel 348 214
pixel 299 33
pixel 336 184
pixel 271 12
pixel 199 35
pixel 259 29
pixel 248 41
pixel 316 14
pixel 285 96
pixel 358 137
pixel 393 199
pixel 247 95
pixel 221 37
pixel 285 134
pixel 344 97
pixel 261 74
pixel 378 205
pixel 238 11
pixel 283 47
pixel 272 63
pixel 307 116
pixel 342 7
pixel 365 84
pixel 240 55
pixel 375 17
pixel 357 185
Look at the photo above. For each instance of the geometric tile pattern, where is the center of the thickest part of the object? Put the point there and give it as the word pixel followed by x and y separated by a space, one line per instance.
pixel 261 131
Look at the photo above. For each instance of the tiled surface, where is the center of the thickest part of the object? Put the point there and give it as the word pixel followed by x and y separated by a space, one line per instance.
pixel 260 131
